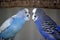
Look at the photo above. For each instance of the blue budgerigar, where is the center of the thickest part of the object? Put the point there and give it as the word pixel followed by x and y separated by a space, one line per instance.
pixel 14 24
pixel 46 26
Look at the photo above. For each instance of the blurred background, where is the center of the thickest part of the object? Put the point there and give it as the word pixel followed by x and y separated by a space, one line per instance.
pixel 29 32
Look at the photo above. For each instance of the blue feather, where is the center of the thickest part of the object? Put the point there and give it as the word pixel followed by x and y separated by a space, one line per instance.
pixel 46 26
pixel 42 31
pixel 13 28
pixel 14 24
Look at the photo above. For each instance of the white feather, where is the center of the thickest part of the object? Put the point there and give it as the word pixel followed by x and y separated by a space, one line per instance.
pixel 6 24
pixel 34 10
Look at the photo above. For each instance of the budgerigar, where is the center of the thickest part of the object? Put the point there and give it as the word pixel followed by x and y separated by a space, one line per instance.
pixel 14 24
pixel 46 26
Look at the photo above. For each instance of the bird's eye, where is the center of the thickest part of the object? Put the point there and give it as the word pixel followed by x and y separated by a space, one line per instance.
pixel 27 15
pixel 35 16
pixel 25 12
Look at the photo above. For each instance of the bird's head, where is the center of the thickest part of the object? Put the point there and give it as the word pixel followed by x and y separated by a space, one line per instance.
pixel 24 13
pixel 34 16
pixel 37 13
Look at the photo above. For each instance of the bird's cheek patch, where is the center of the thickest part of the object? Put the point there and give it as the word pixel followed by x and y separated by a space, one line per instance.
pixel 27 17
pixel 34 18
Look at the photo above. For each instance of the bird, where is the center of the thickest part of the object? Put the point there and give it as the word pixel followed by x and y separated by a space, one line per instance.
pixel 14 24
pixel 46 26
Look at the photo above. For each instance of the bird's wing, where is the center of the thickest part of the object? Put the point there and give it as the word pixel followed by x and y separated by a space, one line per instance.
pixel 6 24
pixel 49 28
pixel 58 28
pixel 53 23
